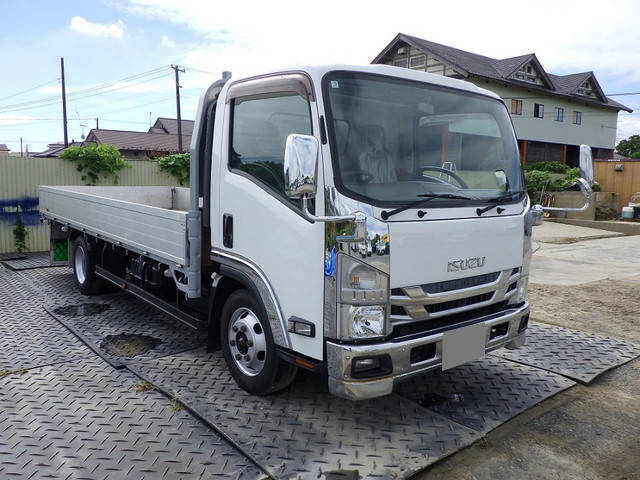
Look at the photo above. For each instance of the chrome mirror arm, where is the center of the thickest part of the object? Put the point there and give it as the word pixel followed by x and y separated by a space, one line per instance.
pixel 359 218
pixel 588 195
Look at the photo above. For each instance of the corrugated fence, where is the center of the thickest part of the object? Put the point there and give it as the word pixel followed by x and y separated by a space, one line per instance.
pixel 20 178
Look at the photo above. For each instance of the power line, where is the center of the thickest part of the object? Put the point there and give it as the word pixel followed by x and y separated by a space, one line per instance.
pixel 30 89
pixel 621 94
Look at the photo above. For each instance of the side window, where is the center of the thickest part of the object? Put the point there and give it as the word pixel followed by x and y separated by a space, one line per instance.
pixel 260 127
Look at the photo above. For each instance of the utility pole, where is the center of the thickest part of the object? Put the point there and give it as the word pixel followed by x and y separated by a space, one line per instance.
pixel 64 104
pixel 21 146
pixel 177 70
pixel 97 124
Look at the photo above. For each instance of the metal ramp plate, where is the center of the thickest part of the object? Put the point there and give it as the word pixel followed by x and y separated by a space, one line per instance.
pixel 483 394
pixel 30 337
pixel 575 354
pixel 122 328
pixel 303 432
pixel 82 421
pixel 27 261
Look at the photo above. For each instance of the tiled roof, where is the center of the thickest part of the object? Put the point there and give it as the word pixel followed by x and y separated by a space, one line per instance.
pixel 55 149
pixel 502 69
pixel 3 147
pixel 170 125
pixel 138 141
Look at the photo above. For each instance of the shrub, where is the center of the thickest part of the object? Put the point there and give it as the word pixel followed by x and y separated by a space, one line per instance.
pixel 96 161
pixel 177 165
pixel 551 167
pixel 20 235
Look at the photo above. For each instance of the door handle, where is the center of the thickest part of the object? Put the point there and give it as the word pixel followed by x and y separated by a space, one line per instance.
pixel 227 230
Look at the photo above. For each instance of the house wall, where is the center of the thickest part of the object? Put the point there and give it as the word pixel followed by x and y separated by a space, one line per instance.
pixel 598 128
pixel 20 179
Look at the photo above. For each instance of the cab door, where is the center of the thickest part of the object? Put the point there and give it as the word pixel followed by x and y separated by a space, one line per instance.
pixel 257 223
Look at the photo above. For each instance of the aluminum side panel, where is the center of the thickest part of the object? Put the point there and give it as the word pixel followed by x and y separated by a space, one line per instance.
pixel 421 251
pixel 160 232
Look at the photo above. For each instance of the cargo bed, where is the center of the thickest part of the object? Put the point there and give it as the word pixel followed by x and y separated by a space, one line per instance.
pixel 149 220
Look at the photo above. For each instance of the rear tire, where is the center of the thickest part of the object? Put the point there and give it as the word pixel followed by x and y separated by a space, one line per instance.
pixel 83 262
pixel 249 349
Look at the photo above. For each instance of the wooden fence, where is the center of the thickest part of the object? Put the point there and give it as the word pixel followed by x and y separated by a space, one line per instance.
pixel 20 178
pixel 625 182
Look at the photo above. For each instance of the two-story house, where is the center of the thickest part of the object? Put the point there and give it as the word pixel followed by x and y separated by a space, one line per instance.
pixel 552 114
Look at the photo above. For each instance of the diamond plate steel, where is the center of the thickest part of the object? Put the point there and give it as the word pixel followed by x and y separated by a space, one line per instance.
pixel 81 421
pixel 27 261
pixel 125 315
pixel 304 432
pixel 485 393
pixel 575 354
pixel 30 337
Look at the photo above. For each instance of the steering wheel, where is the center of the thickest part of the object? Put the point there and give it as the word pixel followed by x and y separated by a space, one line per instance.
pixel 365 177
pixel 449 173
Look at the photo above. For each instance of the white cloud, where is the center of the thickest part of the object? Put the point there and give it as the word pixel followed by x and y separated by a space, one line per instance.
pixel 80 24
pixel 167 42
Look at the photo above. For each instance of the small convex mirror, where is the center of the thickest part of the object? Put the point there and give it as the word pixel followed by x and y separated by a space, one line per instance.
pixel 501 179
pixel 300 166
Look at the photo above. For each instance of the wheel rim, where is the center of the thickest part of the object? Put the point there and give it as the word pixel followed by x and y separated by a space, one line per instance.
pixel 247 342
pixel 79 264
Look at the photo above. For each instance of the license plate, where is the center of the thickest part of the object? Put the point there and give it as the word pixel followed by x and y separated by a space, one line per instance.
pixel 463 345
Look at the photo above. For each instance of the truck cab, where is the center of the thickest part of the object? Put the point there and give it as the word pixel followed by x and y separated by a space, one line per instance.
pixel 313 166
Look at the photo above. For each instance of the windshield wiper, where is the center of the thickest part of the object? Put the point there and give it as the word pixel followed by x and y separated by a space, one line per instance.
pixel 418 203
pixel 497 201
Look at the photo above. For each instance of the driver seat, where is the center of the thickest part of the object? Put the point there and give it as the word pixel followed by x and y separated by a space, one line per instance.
pixel 374 158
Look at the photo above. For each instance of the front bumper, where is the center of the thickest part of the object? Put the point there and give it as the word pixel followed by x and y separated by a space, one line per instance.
pixel 340 357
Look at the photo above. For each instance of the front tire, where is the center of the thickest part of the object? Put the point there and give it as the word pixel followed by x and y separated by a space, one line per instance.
pixel 249 349
pixel 84 268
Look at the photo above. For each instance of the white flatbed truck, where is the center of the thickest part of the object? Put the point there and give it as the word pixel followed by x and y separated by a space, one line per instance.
pixel 294 174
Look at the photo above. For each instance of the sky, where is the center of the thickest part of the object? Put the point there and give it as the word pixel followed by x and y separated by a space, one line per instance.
pixel 118 53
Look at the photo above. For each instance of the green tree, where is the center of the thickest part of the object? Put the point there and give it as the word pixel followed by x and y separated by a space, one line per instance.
pixel 176 165
pixel 95 161
pixel 629 147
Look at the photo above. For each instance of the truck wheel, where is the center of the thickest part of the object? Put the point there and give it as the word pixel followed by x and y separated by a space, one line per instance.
pixel 249 349
pixel 83 268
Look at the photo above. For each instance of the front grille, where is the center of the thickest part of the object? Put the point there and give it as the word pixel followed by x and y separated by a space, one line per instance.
pixel 462 302
pixel 460 283
pixel 413 328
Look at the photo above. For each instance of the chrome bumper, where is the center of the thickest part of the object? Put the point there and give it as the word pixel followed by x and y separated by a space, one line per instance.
pixel 340 357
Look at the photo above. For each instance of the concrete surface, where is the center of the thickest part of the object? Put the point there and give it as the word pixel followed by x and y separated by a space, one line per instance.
pixel 552 232
pixel 586 261
pixel 621 226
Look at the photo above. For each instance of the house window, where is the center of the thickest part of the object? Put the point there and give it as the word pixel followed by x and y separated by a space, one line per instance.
pixel 416 62
pixel 516 107
pixel 538 110
pixel 559 114
pixel 577 118
pixel 401 63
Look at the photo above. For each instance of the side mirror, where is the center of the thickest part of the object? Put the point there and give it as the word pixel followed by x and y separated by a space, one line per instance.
pixel 536 215
pixel 300 166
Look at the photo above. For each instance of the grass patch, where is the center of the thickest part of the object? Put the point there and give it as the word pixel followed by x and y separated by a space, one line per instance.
pixel 142 386
pixel 175 405
pixel 5 372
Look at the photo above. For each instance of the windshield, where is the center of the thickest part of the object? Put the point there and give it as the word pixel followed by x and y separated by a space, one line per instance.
pixel 393 140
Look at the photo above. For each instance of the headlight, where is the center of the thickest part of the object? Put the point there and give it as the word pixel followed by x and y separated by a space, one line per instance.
pixel 521 290
pixel 363 294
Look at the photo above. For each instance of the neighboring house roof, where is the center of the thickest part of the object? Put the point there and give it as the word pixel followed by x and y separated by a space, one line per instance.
pixel 4 148
pixel 170 126
pixel 55 149
pixel 505 70
pixel 138 141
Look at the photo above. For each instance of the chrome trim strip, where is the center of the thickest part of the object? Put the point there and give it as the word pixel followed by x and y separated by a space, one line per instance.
pixel 258 272
pixel 416 299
